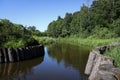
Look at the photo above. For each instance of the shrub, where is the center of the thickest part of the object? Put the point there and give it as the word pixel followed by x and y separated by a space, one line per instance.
pixel 31 42
pixel 103 33
pixel 45 40
pixel 14 44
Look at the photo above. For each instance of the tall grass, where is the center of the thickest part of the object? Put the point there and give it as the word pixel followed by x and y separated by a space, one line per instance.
pixel 88 41
pixel 115 55
pixel 45 40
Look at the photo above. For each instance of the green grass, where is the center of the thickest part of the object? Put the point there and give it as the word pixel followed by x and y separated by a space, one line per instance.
pixel 115 55
pixel 88 41
pixel 45 40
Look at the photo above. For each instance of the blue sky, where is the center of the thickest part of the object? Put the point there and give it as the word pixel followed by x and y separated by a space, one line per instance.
pixel 37 13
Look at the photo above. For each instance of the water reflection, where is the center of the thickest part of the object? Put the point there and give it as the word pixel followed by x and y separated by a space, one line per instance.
pixel 61 62
pixel 18 70
pixel 72 56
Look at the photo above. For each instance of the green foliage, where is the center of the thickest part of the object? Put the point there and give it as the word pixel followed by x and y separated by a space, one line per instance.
pixel 100 20
pixel 14 44
pixel 116 27
pixel 45 40
pixel 31 42
pixel 16 35
pixel 115 54
pixel 103 33
pixel 20 43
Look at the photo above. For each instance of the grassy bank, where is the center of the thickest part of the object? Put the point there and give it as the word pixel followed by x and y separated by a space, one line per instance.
pixel 90 42
pixel 115 55
pixel 87 42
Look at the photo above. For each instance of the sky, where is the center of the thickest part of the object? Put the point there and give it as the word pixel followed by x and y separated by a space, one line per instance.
pixel 38 13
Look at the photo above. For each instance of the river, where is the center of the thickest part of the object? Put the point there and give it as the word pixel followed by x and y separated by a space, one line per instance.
pixel 60 62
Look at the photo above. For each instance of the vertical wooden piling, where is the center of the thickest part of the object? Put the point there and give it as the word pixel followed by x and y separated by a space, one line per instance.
pixel 20 54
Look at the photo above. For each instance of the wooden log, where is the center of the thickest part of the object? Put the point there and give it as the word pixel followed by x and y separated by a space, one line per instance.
pixel 106 67
pixel 100 60
pixel 17 54
pixel 95 67
pixel 27 56
pixel 2 56
pixel 105 75
pixel 5 58
pixel 14 55
pixel 31 53
pixel 34 52
pixel 90 63
pixel 10 55
pixel 21 54
pixel 40 50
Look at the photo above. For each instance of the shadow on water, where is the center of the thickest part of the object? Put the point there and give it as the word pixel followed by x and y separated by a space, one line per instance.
pixel 18 70
pixel 72 56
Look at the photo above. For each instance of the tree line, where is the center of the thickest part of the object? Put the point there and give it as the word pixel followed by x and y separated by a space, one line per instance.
pixel 100 20
pixel 17 35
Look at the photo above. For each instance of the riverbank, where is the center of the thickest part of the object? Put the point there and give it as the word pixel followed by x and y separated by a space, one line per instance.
pixel 88 41
pixel 100 67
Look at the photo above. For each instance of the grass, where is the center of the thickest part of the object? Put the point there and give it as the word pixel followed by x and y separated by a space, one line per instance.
pixel 115 55
pixel 88 41
pixel 45 40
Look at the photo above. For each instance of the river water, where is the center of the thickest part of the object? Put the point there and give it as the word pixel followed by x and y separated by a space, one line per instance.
pixel 60 62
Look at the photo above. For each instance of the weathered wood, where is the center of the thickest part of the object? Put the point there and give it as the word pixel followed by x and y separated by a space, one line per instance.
pixel 95 67
pixel 0 55
pixel 10 55
pixel 100 67
pixel 106 67
pixel 90 63
pixel 20 54
pixel 5 54
pixel 17 54
pixel 105 75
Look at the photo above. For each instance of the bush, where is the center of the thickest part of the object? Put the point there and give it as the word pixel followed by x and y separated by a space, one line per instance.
pixel 103 33
pixel 21 43
pixel 45 40
pixel 14 44
pixel 31 42
pixel 116 27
